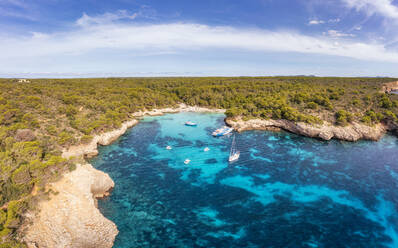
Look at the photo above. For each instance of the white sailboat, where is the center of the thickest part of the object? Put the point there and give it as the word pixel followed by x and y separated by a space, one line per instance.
pixel 234 153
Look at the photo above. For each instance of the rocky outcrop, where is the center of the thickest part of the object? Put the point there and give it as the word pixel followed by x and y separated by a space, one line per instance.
pixel 24 135
pixel 90 149
pixel 388 87
pixel 70 218
pixel 326 131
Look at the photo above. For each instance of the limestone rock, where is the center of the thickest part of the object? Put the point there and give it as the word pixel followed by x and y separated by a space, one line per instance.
pixel 90 150
pixel 71 218
pixel 326 131
pixel 388 87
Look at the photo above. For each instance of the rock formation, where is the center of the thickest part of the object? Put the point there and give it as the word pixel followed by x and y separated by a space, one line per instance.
pixel 326 131
pixel 388 87
pixel 90 150
pixel 70 218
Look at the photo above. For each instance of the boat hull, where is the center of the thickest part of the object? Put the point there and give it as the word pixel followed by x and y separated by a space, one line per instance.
pixel 223 133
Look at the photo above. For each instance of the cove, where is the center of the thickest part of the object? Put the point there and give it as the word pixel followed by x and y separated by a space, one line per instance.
pixel 285 191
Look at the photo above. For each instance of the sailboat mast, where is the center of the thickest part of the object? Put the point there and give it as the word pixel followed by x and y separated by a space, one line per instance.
pixel 232 147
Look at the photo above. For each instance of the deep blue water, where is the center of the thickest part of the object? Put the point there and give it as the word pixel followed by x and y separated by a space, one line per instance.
pixel 285 191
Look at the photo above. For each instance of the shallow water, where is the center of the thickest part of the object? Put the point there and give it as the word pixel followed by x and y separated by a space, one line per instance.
pixel 285 190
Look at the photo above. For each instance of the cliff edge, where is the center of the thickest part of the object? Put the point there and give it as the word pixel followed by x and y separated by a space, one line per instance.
pixel 326 131
pixel 70 218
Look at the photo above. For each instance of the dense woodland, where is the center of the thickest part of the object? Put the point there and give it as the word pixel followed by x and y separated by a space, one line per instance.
pixel 40 117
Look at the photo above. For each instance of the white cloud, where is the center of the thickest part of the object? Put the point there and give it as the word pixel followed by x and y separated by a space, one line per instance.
pixel 16 3
pixel 385 8
pixel 106 18
pixel 103 34
pixel 334 20
pixel 338 34
pixel 316 22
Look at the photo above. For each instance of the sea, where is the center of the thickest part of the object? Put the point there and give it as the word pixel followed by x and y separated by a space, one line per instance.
pixel 285 190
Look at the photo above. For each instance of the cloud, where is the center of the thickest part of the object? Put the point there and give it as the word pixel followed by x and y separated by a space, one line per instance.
pixel 17 3
pixel 316 22
pixel 384 8
pixel 106 18
pixel 334 20
pixel 16 9
pixel 107 34
pixel 338 34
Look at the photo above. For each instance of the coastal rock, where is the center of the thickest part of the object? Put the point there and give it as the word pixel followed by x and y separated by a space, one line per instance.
pixel 90 150
pixel 70 218
pixel 24 135
pixel 326 131
pixel 388 87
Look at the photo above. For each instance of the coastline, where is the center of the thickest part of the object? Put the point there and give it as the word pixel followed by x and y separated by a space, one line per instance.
pixel 71 217
pixel 353 132
pixel 59 223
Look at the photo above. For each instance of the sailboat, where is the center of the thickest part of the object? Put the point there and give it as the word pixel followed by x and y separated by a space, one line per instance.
pixel 234 153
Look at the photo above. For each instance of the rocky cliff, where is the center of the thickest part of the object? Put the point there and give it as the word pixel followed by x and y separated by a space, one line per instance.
pixel 388 87
pixel 90 149
pixel 326 131
pixel 70 218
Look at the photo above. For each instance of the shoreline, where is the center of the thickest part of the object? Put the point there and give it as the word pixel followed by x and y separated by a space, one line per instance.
pixel 85 184
pixel 326 131
pixel 71 217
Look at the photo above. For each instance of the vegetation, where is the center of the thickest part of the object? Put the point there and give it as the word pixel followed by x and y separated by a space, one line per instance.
pixel 63 112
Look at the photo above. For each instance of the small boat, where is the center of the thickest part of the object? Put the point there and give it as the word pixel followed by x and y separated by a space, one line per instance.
pixel 187 161
pixel 190 123
pixel 234 153
pixel 222 131
pixel 206 149
pixel 168 147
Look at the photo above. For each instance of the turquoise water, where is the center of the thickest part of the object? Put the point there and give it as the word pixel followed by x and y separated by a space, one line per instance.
pixel 285 190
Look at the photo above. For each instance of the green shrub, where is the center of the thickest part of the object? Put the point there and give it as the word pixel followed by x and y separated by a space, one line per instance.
pixel 343 117
pixel 312 105
pixel 66 139
pixel 86 139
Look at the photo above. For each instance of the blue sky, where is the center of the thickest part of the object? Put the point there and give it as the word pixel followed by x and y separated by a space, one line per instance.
pixel 70 38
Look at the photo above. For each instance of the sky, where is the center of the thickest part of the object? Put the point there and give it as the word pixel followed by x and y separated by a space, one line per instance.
pixel 103 38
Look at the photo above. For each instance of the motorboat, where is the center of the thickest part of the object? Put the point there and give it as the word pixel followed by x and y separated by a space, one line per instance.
pixel 222 131
pixel 190 123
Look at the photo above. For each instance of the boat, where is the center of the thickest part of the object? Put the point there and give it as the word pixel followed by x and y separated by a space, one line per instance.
pixel 234 153
pixel 187 161
pixel 222 131
pixel 206 149
pixel 168 147
pixel 190 123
